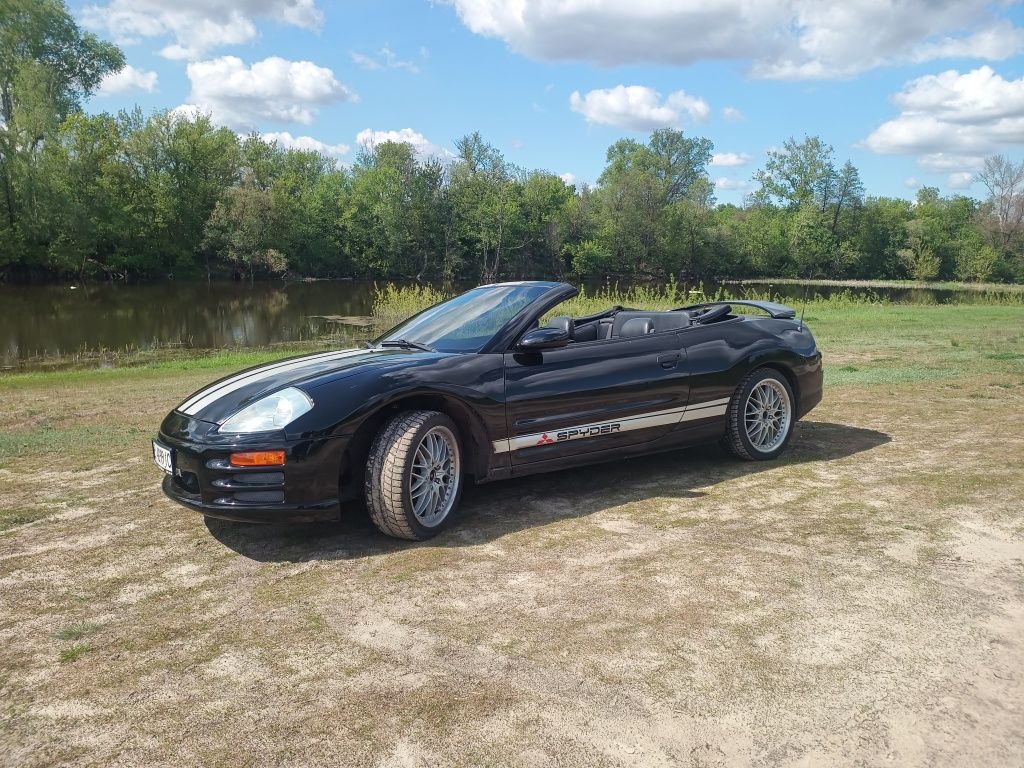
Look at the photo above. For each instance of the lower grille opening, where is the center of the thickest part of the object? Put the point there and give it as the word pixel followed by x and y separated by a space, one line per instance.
pixel 258 497
pixel 187 481
pixel 259 478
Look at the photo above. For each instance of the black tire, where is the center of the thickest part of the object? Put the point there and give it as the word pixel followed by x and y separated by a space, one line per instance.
pixel 737 441
pixel 389 469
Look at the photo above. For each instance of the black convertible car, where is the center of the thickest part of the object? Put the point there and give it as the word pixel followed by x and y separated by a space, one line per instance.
pixel 475 388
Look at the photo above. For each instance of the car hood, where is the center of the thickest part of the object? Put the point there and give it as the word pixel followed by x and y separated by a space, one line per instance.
pixel 218 401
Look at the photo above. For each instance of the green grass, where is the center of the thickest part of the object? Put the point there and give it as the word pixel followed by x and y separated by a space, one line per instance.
pixel 74 653
pixel 942 285
pixel 395 303
pixel 76 631
pixel 893 342
pixel 48 439
pixel 392 304
pixel 11 518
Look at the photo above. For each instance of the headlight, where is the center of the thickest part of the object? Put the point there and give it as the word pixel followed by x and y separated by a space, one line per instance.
pixel 271 412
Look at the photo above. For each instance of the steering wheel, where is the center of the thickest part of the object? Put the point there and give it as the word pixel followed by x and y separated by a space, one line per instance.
pixel 711 314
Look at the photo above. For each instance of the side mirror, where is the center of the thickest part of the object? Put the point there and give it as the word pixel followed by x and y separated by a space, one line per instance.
pixel 543 338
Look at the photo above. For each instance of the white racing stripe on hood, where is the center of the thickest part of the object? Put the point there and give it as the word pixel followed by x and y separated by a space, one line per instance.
pixel 227 382
pixel 210 395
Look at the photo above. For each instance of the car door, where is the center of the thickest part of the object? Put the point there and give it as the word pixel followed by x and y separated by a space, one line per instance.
pixel 592 396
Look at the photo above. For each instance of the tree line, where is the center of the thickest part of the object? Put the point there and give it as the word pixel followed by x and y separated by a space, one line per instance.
pixel 131 196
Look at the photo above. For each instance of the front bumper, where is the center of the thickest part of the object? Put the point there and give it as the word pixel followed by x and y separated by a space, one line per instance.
pixel 304 489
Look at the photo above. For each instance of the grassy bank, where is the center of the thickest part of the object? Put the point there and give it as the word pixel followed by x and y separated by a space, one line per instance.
pixel 943 285
pixel 395 303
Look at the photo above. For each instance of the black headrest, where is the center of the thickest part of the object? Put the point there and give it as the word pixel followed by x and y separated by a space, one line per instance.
pixel 663 321
pixel 564 323
pixel 637 326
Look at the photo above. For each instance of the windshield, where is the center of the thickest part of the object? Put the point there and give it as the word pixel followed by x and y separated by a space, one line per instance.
pixel 467 322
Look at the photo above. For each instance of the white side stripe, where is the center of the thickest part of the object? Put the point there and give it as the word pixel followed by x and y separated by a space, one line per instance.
pixel 693 412
pixel 212 394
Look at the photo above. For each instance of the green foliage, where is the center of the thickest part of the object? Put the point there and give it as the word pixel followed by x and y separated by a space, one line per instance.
pixel 168 195
pixel 392 304
pixel 920 261
pixel 47 66
pixel 242 229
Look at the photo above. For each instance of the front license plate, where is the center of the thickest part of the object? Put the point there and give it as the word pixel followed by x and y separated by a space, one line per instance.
pixel 162 457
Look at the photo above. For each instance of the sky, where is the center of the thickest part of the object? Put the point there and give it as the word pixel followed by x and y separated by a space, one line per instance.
pixel 913 92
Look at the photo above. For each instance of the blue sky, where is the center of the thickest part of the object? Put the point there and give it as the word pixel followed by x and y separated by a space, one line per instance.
pixel 916 94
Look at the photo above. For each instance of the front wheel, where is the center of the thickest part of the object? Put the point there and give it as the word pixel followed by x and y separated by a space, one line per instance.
pixel 760 416
pixel 414 475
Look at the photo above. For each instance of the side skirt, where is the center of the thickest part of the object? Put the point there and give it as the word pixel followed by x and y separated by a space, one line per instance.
pixel 698 435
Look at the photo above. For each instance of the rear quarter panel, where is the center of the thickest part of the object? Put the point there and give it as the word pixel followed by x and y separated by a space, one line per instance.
pixel 720 355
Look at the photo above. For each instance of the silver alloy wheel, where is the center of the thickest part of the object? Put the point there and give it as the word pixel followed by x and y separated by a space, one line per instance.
pixel 767 415
pixel 434 480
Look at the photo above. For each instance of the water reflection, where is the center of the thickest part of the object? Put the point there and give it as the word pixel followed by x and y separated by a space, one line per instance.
pixel 55 320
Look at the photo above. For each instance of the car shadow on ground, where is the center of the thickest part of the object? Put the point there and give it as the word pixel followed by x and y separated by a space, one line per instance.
pixel 490 511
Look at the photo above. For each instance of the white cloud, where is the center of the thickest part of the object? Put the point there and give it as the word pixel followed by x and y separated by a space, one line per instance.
pixel 196 26
pixel 730 184
pixel 128 79
pixel 568 178
pixel 637 107
pixel 368 139
pixel 941 162
pixel 911 183
pixel 791 39
pixel 732 114
pixel 730 159
pixel 384 59
pixel 305 143
pixel 962 180
pixel 952 120
pixel 240 96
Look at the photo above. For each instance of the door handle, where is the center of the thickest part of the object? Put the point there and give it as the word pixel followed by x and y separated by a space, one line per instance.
pixel 668 361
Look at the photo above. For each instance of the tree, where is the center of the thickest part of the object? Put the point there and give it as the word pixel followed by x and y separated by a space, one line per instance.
pixel 1004 181
pixel 801 173
pixel 689 230
pixel 918 257
pixel 182 168
pixel 47 66
pixel 651 201
pixel 803 178
pixel 880 233
pixel 486 195
pixel 242 230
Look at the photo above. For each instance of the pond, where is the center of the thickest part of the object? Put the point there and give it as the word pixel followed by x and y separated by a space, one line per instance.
pixel 55 320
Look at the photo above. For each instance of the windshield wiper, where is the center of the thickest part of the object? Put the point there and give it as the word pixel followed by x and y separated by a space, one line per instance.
pixel 407 345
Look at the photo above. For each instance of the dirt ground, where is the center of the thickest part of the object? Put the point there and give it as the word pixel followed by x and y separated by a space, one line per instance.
pixel 859 603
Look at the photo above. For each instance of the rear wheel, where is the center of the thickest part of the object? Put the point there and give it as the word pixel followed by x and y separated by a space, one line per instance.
pixel 761 416
pixel 414 475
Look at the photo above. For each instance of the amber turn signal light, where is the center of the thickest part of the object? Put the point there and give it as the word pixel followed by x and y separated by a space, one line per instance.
pixel 257 459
